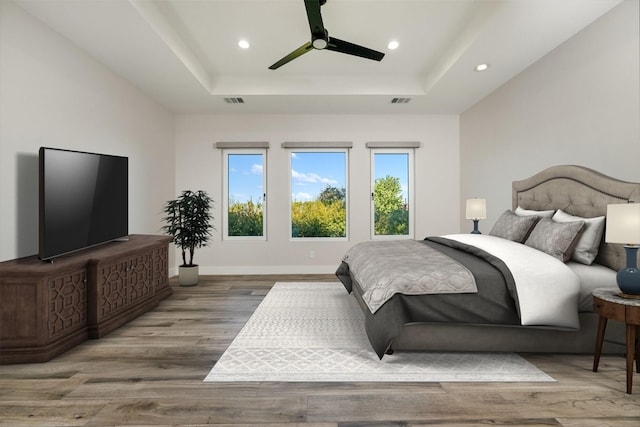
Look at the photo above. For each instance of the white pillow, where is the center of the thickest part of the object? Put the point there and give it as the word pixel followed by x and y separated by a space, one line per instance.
pixel 527 212
pixel 589 241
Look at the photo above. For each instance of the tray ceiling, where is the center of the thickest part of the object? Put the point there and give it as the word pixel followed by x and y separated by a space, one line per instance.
pixel 185 53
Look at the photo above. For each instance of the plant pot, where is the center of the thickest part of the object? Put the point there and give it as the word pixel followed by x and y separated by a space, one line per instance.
pixel 188 275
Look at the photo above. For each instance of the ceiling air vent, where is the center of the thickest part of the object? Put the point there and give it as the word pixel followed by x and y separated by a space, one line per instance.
pixel 235 100
pixel 400 100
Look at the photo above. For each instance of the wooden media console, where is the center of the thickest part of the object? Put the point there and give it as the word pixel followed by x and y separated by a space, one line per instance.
pixel 48 308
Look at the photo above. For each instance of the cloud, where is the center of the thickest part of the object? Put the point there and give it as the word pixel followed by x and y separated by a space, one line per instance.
pixel 256 169
pixel 310 178
pixel 301 196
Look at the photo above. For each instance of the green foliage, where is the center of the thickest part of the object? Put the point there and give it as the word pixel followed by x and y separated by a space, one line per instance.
pixel 391 216
pixel 245 219
pixel 387 194
pixel 324 217
pixel 188 221
pixel 318 219
pixel 327 216
pixel 332 194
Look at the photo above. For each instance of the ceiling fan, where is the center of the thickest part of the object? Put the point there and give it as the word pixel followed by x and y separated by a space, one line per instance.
pixel 320 39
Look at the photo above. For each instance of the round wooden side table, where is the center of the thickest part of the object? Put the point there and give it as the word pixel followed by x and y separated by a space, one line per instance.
pixel 608 304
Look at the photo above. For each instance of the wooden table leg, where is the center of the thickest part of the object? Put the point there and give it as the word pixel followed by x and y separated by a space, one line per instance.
pixel 637 348
pixel 602 326
pixel 631 349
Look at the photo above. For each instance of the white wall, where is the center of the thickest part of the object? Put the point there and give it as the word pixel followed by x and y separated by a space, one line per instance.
pixel 199 164
pixel 53 94
pixel 580 104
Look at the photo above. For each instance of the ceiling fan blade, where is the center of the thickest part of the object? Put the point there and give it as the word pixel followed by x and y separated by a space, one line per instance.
pixel 315 18
pixel 293 55
pixel 342 46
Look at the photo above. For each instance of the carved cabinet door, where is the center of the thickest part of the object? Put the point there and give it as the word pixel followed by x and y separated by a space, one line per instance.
pixel 67 300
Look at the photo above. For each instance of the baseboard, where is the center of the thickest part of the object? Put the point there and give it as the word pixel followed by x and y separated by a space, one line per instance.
pixel 261 269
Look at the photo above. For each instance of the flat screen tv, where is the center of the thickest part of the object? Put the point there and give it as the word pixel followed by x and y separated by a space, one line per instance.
pixel 84 200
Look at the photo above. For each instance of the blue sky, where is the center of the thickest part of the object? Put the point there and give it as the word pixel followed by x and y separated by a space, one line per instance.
pixel 245 177
pixel 311 173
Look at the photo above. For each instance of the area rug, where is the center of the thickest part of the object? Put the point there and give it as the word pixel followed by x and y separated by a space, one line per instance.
pixel 306 332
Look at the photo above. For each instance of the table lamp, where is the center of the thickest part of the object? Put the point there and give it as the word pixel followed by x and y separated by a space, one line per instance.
pixel 476 210
pixel 623 226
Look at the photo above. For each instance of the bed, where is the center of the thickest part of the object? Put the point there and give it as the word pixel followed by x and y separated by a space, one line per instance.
pixel 540 303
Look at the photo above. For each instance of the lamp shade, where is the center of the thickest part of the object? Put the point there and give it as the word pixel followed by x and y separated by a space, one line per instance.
pixel 476 209
pixel 623 223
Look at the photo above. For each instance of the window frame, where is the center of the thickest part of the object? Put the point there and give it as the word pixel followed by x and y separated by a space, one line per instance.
pixel 311 149
pixel 410 152
pixel 226 152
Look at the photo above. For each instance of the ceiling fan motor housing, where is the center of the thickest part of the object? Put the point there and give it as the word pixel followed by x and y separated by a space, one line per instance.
pixel 320 41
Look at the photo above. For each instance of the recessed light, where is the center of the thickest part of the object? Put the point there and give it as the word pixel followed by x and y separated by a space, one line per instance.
pixel 244 44
pixel 481 67
pixel 393 45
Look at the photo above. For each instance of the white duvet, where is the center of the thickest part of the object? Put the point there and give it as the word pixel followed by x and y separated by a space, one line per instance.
pixel 548 290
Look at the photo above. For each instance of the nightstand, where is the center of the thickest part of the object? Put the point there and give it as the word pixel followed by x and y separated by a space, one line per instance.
pixel 608 305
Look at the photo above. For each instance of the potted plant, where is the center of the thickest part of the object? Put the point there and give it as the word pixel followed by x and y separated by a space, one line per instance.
pixel 188 221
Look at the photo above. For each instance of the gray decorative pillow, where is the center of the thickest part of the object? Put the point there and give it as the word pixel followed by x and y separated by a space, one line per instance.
pixel 557 239
pixel 513 227
pixel 589 241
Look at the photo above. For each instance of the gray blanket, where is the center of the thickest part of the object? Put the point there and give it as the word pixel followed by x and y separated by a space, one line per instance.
pixel 408 267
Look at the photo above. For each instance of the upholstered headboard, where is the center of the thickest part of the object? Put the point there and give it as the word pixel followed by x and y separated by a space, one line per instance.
pixel 578 191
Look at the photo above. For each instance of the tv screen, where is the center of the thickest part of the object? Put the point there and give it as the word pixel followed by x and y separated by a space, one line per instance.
pixel 84 200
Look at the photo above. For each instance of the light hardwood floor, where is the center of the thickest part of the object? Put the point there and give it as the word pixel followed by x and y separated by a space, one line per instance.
pixel 150 372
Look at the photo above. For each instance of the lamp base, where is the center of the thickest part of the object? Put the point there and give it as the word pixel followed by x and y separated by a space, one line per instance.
pixel 629 277
pixel 475 227
pixel 629 281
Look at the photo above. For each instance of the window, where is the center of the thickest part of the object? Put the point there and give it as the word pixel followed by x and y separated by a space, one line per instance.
pixel 318 193
pixel 244 196
pixel 391 190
